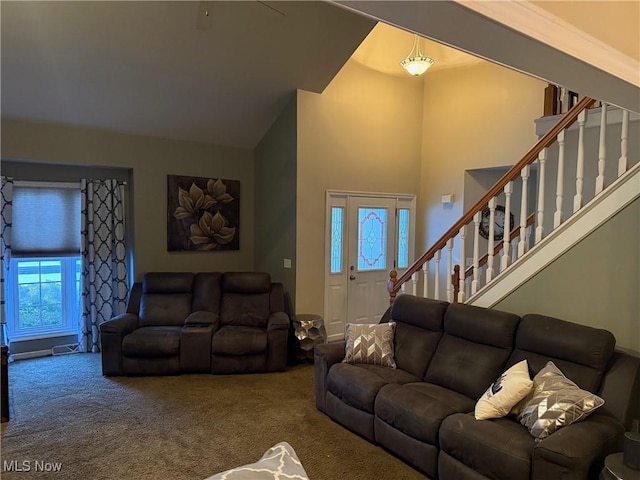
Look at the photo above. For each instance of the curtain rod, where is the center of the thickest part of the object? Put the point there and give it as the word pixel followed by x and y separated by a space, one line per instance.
pixel 32 183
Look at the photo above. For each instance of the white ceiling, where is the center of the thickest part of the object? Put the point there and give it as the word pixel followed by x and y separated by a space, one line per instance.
pixel 144 67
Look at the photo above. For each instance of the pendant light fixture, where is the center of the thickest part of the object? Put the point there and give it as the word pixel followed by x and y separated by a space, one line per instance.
pixel 416 63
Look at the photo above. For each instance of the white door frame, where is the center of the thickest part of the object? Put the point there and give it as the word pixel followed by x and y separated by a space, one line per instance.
pixel 335 284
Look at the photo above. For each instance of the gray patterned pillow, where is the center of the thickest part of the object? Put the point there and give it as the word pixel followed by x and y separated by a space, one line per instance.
pixel 556 402
pixel 370 344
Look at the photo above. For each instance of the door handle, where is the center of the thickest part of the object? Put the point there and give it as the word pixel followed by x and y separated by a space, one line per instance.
pixel 352 277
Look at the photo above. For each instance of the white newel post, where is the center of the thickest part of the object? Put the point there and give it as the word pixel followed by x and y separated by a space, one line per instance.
pixel 506 240
pixel 557 216
pixel 602 149
pixel 492 223
pixel 463 270
pixel 542 161
pixel 425 279
pixel 577 199
pixel 622 162
pixel 522 244
pixel 475 284
pixel 449 269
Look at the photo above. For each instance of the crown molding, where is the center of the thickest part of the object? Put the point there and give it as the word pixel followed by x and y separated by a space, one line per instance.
pixel 539 24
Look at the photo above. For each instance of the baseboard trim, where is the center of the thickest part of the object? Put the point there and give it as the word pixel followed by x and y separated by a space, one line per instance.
pixel 34 354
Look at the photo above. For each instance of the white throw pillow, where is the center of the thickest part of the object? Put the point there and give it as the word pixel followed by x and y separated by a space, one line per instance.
pixel 501 396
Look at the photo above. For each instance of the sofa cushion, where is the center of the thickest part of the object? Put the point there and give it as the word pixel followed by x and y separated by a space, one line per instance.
pixel 167 282
pixel 164 309
pixel 418 331
pixel 473 350
pixel 207 292
pixel 556 402
pixel 370 344
pixel 246 282
pixel 152 342
pixel 245 310
pixel 232 340
pixel 500 449
pixel 358 385
pixel 581 352
pixel 417 409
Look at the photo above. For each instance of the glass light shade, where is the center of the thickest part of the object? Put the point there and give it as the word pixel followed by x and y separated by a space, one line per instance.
pixel 416 65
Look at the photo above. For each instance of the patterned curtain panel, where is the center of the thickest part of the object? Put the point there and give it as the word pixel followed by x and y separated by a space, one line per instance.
pixel 6 197
pixel 104 267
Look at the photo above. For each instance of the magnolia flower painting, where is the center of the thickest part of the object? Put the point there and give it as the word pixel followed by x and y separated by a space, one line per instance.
pixel 203 214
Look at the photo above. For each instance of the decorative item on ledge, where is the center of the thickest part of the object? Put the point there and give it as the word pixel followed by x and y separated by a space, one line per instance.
pixel 203 214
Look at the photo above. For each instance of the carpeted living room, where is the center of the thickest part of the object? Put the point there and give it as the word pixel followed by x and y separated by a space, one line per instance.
pixel 213 224
pixel 65 412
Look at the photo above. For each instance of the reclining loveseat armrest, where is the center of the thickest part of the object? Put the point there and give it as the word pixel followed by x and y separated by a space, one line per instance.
pixel 278 321
pixel 578 450
pixel 324 357
pixel 202 317
pixel 111 334
pixel 277 338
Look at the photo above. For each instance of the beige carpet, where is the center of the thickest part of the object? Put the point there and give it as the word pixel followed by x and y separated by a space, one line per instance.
pixel 186 427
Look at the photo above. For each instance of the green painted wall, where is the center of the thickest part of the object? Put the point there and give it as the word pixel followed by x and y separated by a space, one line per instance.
pixel 596 283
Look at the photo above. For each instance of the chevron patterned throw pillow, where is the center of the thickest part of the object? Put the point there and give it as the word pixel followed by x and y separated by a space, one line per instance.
pixel 370 344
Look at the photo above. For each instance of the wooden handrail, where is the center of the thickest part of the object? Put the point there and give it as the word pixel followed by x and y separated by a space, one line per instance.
pixel 514 234
pixel 547 139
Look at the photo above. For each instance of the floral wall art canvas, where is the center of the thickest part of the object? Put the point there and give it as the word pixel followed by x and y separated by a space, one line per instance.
pixel 203 214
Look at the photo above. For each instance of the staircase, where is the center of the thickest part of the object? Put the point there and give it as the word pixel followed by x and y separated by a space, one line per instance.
pixel 580 173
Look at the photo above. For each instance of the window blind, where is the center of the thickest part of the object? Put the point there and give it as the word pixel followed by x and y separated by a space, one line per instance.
pixel 46 221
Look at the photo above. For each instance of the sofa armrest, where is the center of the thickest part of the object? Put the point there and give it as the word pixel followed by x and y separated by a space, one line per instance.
pixel 324 357
pixel 122 324
pixel 202 317
pixel 277 339
pixel 578 450
pixel 111 334
pixel 278 321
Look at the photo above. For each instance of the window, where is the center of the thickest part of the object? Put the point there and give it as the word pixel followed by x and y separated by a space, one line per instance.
pixel 403 237
pixel 337 227
pixel 43 281
pixel 44 296
pixel 372 239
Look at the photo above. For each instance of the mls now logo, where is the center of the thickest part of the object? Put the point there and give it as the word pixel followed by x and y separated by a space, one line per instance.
pixel 30 466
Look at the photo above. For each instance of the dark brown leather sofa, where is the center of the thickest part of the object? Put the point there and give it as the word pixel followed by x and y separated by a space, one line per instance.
pixel 447 356
pixel 230 322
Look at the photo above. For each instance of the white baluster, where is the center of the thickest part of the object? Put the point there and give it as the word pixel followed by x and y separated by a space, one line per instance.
pixel 577 199
pixel 403 287
pixel 528 236
pixel 475 284
pixel 414 284
pixel 463 269
pixel 622 162
pixel 449 269
pixel 492 220
pixel 602 149
pixel 557 216
pixel 436 293
pixel 506 240
pixel 425 279
pixel 522 246
pixel 542 160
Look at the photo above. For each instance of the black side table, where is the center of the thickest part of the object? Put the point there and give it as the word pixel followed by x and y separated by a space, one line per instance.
pixel 615 469
pixel 309 331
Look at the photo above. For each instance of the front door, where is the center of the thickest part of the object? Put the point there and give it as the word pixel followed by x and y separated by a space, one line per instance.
pixel 367 236
pixel 371 252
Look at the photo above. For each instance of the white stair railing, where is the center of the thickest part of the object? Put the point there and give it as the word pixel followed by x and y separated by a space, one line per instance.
pixel 561 157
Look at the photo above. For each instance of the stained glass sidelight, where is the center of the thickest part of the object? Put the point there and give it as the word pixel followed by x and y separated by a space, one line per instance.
pixel 403 238
pixel 337 215
pixel 372 238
